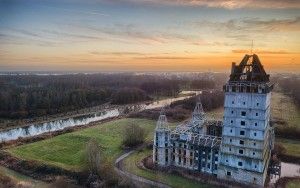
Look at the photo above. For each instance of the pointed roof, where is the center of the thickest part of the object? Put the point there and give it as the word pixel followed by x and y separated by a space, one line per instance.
pixel 250 69
pixel 198 113
pixel 162 122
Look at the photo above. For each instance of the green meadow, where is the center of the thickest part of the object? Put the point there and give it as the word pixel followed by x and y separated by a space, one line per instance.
pixel 67 150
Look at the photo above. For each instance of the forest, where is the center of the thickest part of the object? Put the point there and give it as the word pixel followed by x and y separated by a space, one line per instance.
pixel 28 96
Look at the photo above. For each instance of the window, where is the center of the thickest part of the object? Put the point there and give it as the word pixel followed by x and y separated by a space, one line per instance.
pixel 231 130
pixel 216 167
pixel 166 150
pixel 179 151
pixel 231 112
pixel 244 103
pixel 167 159
pixel 174 150
pixel 231 121
pixel 229 149
pixel 191 162
pixel 241 151
pixel 184 161
pixel 242 132
pixel 257 104
pixel 241 142
pixel 230 140
pixel 256 114
pixel 184 146
pixel 192 147
pixel 216 158
pixel 232 102
pixel 253 153
pixel 179 160
pixel 184 152
pixel 208 166
pixel 243 123
pixel 255 166
pixel 191 154
pixel 240 164
pixel 228 173
pixel 243 113
pixel 226 160
pixel 255 124
pixel 174 144
pixel 254 144
pixel 166 144
pixel 254 134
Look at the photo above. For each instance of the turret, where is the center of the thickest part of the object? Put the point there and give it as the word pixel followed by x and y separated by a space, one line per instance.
pixel 161 143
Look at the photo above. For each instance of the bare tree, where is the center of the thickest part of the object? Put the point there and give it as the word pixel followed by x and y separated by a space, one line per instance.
pixel 133 135
pixel 93 157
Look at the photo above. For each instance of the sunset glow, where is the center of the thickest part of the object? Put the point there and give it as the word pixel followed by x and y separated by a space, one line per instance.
pixel 147 35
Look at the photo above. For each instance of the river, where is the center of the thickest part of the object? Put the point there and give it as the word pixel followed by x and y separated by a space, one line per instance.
pixel 59 124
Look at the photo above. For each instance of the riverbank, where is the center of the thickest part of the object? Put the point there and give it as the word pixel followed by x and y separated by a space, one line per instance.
pixel 59 124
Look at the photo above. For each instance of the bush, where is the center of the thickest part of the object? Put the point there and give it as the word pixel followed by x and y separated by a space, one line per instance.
pixel 93 160
pixel 133 135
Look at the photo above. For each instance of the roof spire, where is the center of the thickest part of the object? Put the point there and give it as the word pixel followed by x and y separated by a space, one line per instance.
pixel 162 122
pixel 198 113
pixel 251 48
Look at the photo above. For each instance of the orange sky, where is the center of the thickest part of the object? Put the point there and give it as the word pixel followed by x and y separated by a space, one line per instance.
pixel 153 35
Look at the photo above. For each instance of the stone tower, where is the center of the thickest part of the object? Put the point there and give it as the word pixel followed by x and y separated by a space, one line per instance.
pixel 198 117
pixel 247 135
pixel 161 143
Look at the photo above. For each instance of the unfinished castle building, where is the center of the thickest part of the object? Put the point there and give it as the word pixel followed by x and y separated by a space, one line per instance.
pixel 237 149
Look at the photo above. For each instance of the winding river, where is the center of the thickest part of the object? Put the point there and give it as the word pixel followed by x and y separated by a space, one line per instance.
pixel 60 124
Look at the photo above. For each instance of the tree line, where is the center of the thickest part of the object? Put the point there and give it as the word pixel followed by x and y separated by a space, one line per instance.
pixel 28 96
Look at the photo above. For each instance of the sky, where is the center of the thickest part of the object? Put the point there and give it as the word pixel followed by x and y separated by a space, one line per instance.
pixel 148 35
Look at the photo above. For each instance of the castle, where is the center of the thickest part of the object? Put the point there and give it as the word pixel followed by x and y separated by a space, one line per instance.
pixel 237 149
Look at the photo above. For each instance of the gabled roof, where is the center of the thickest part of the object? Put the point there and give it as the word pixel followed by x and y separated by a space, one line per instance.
pixel 249 70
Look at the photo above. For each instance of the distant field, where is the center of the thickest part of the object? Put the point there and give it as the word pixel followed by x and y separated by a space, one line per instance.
pixel 292 146
pixel 293 184
pixel 283 108
pixel 67 150
pixel 176 181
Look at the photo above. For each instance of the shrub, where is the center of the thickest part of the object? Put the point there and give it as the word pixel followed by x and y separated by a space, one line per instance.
pixel 93 160
pixel 133 135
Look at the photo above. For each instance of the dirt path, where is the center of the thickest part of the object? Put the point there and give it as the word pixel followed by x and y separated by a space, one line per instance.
pixel 119 168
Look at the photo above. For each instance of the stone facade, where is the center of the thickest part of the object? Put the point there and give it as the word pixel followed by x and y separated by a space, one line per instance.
pixel 242 152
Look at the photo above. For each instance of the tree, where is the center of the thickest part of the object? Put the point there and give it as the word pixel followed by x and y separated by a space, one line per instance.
pixel 93 157
pixel 133 135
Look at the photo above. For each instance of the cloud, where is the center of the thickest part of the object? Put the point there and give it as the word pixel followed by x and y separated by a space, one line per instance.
pixel 226 4
pixel 117 53
pixel 279 52
pixel 133 33
pixel 254 25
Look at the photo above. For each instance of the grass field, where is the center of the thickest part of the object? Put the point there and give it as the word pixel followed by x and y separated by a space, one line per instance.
pixel 67 150
pixel 283 108
pixel 176 181
pixel 292 146
pixel 293 184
